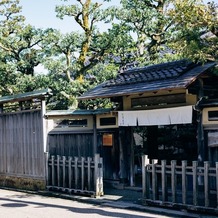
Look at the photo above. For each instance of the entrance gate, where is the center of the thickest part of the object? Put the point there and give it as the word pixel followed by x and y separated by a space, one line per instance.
pixel 75 175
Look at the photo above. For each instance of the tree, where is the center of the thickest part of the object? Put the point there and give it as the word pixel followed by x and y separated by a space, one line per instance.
pixel 86 14
pixel 172 29
pixel 144 32
pixel 196 29
pixel 62 50
pixel 74 59
pixel 19 42
pixel 150 23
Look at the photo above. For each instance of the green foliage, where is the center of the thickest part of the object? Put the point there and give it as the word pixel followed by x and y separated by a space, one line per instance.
pixel 20 44
pixel 140 32
pixel 148 20
pixel 195 30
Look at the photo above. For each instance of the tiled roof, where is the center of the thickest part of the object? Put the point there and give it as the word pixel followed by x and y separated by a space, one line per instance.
pixel 171 75
pixel 151 73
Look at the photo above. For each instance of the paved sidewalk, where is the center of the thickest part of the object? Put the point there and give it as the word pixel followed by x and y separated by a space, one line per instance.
pixel 123 199
pixel 14 204
pixel 128 199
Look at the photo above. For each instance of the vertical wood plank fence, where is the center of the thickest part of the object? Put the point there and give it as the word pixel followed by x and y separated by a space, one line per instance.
pixel 76 175
pixel 21 144
pixel 181 185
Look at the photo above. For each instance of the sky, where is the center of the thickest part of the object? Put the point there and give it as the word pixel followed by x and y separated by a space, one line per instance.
pixel 41 14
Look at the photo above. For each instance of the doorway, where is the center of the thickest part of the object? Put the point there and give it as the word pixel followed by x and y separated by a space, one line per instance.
pixel 108 147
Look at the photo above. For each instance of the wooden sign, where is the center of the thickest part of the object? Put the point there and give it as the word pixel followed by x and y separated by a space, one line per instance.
pixel 107 139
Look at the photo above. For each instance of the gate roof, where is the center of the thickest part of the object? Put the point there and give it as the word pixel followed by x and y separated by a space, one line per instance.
pixel 166 76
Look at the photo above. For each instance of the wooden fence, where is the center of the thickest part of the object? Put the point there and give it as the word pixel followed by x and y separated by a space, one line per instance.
pixel 21 144
pixel 76 175
pixel 181 185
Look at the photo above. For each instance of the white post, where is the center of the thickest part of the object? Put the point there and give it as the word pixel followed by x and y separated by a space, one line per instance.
pixel 44 135
pixel 145 190
pixel 98 175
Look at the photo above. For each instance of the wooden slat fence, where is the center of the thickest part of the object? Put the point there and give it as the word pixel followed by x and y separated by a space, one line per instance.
pixel 21 144
pixel 75 175
pixel 180 184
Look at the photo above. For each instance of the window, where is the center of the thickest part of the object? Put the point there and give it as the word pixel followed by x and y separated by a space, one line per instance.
pixel 108 121
pixel 144 102
pixel 72 123
pixel 213 115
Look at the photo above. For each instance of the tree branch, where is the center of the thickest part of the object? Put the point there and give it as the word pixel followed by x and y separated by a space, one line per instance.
pixel 77 19
pixel 5 48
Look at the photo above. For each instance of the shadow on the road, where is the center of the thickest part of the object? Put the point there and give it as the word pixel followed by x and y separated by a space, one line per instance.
pixel 14 205
pixel 98 210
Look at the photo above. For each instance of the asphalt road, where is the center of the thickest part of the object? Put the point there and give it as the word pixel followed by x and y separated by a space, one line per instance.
pixel 24 205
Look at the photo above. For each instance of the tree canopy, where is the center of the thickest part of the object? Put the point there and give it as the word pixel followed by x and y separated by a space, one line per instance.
pixel 139 33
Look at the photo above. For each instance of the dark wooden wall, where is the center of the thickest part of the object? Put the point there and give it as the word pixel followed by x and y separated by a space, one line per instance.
pixel 71 144
pixel 21 144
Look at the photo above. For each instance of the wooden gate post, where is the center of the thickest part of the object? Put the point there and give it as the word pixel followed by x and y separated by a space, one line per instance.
pixel 98 175
pixel 145 180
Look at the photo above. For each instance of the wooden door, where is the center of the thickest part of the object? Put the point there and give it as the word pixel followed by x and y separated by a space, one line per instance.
pixel 109 150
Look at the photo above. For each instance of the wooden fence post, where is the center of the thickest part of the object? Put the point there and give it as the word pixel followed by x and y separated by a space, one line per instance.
pixel 164 181
pixel 58 170
pixel 206 183
pixel 76 172
pixel 46 168
pixel 154 180
pixel 145 182
pixel 195 182
pixel 70 172
pixel 89 172
pixel 184 182
pixel 82 173
pixel 64 171
pixel 173 180
pixel 52 170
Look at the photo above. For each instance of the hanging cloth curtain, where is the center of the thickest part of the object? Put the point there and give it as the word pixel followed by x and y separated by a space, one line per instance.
pixel 166 116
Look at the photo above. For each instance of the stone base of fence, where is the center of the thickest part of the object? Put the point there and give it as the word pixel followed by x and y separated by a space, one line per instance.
pixel 23 183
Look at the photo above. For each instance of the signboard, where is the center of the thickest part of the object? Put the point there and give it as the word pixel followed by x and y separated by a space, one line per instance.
pixel 107 139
